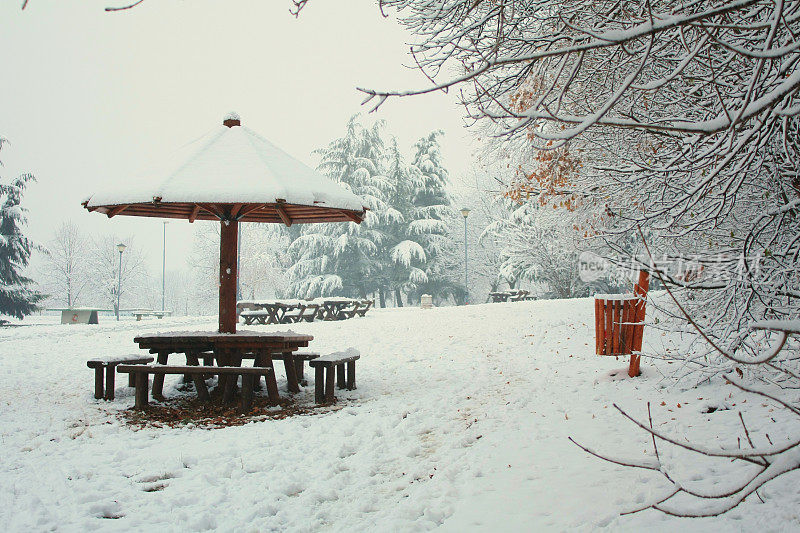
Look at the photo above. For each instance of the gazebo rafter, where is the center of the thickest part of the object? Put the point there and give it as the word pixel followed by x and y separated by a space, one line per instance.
pixel 247 212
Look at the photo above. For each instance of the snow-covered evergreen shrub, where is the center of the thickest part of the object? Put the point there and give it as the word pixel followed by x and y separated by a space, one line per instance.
pixel 17 297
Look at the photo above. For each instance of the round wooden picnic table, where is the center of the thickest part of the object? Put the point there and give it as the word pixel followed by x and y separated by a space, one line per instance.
pixel 229 349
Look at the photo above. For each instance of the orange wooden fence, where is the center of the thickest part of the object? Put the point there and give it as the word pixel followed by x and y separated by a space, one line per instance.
pixel 619 323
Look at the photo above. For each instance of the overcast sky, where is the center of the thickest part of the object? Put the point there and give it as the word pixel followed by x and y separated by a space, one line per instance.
pixel 88 96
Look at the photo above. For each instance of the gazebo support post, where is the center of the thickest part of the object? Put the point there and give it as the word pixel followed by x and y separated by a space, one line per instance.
pixel 228 244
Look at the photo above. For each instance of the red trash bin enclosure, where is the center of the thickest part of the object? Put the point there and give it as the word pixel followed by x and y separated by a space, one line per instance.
pixel 619 323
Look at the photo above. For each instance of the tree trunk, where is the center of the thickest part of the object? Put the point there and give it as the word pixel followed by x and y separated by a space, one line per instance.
pixel 382 298
pixel 398 300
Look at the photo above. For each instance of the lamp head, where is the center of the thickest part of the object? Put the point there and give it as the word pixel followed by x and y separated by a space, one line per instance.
pixel 121 247
pixel 464 212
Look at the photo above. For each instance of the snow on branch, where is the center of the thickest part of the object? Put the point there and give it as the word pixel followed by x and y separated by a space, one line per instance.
pixel 771 461
pixel 425 226
pixel 120 8
pixel 406 251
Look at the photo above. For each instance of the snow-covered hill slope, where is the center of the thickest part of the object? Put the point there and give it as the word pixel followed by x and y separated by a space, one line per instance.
pixel 460 420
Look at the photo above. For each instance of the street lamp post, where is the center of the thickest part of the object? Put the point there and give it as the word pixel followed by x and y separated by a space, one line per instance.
pixel 465 214
pixel 164 268
pixel 121 247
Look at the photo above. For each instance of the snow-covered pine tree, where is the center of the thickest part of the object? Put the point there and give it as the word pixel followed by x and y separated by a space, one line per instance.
pixel 403 252
pixel 341 258
pixel 431 219
pixel 17 298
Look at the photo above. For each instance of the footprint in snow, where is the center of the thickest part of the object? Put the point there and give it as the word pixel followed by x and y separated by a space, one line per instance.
pixel 156 477
pixel 155 482
pixel 155 487
pixel 111 510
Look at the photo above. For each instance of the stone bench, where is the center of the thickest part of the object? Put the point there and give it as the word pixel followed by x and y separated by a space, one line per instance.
pixel 326 366
pixel 248 373
pixel 105 373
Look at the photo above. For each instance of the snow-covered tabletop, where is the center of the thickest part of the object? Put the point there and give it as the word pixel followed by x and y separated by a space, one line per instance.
pixel 225 345
pixel 215 335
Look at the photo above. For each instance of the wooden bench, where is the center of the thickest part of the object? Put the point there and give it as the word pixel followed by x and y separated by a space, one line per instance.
pixel 142 373
pixel 309 313
pixel 294 372
pixel 293 314
pixel 299 362
pixel 520 296
pixel 261 316
pixel 331 309
pixel 366 305
pixel 105 373
pixel 349 311
pixel 326 366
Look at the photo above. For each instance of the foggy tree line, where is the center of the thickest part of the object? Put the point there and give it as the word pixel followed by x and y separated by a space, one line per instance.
pixel 78 269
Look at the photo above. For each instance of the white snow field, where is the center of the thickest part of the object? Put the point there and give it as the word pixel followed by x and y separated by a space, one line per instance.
pixel 460 421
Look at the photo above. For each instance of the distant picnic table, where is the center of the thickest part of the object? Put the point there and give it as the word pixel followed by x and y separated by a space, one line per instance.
pixel 139 313
pixel 333 308
pixel 513 296
pixel 293 311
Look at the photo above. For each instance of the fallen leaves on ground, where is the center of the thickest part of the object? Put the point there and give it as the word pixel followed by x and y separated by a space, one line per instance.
pixel 188 411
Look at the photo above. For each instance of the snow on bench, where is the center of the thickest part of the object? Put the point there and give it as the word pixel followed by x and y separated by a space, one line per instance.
pixel 146 312
pixel 248 374
pixel 105 372
pixel 334 363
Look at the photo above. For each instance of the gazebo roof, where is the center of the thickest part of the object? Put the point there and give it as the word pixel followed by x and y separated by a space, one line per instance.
pixel 231 171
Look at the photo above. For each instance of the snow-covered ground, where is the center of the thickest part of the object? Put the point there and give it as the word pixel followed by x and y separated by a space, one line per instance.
pixel 460 420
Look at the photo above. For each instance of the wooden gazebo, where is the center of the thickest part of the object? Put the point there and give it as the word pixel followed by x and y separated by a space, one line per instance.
pixel 233 175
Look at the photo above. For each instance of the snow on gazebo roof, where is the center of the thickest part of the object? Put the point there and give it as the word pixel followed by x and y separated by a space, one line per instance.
pixel 233 165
